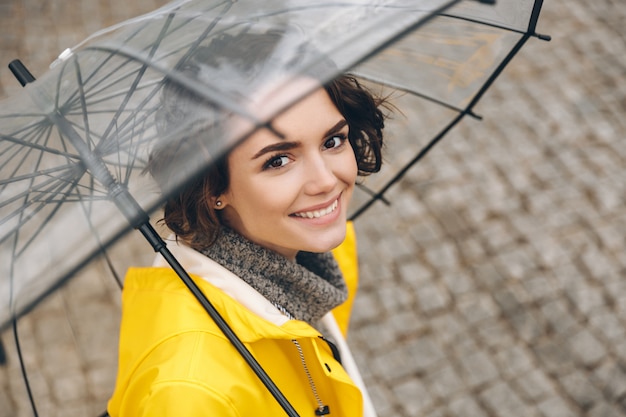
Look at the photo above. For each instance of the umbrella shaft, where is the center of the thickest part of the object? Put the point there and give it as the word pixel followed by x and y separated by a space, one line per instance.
pixel 96 166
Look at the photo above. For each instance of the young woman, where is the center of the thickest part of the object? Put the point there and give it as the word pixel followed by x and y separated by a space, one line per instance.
pixel 255 233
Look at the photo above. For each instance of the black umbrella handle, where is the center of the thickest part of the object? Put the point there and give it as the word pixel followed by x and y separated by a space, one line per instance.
pixel 20 72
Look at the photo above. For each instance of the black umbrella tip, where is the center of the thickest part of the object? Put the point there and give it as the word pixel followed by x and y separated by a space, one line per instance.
pixel 546 38
pixel 20 72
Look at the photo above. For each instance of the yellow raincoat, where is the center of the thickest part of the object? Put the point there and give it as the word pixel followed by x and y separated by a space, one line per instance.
pixel 174 361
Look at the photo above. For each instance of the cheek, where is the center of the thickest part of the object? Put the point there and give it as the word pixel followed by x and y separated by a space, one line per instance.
pixel 262 198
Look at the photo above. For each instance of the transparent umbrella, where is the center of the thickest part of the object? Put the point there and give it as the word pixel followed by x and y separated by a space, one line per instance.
pixel 76 143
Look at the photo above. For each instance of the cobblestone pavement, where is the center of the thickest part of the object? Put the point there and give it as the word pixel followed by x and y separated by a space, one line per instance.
pixel 494 286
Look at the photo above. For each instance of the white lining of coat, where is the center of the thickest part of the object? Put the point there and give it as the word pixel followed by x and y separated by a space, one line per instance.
pixel 198 264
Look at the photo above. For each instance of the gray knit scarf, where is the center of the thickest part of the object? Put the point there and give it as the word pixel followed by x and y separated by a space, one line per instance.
pixel 307 288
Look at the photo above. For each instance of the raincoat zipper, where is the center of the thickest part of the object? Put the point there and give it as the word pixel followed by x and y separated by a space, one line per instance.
pixel 321 409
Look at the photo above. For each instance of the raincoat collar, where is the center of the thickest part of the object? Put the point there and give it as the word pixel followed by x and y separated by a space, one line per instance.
pixel 265 321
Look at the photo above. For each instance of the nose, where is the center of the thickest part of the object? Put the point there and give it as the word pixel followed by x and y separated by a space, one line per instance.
pixel 320 175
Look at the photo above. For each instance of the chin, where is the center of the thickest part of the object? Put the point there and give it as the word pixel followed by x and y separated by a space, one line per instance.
pixel 327 243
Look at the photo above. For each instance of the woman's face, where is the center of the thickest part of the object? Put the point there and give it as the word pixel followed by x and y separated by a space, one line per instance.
pixel 291 194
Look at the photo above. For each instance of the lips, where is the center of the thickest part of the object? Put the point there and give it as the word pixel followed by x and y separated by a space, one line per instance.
pixel 316 214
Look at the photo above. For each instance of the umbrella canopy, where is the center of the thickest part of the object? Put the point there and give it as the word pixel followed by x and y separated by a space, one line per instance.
pixel 79 137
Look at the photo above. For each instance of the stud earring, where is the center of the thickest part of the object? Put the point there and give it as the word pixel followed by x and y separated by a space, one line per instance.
pixel 218 203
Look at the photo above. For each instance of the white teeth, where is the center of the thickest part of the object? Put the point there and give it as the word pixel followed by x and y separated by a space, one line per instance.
pixel 318 213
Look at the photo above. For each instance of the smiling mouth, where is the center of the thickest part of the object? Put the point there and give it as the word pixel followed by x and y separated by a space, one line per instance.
pixel 316 214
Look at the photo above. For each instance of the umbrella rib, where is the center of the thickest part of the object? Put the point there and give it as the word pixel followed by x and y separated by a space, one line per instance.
pixel 37 147
pixel 25 218
pixel 380 194
pixel 83 103
pixel 130 37
pixel 55 184
pixel 216 97
pixel 149 97
pixel 118 93
pixel 414 93
pixel 165 31
pixel 138 77
pixel 17 148
pixel 385 44
pixel 534 17
pixel 114 70
pixel 482 23
pixel 468 110
pixel 205 33
pixel 32 175
pixel 56 208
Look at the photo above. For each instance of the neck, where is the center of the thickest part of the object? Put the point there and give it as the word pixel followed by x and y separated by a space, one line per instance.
pixel 307 286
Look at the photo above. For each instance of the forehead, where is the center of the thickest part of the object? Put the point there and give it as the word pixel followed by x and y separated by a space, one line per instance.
pixel 309 119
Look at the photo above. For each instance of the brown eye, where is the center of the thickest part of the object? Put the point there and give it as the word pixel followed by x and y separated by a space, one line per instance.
pixel 277 162
pixel 334 141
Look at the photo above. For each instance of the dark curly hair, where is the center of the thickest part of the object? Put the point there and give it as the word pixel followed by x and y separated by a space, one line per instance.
pixel 189 213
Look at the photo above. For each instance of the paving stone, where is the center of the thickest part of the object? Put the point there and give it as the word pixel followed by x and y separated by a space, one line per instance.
pixel 529 325
pixel 433 298
pixel 445 382
pixel 503 401
pixel 608 324
pixel 373 337
pixel 412 397
pixel 553 358
pixel 366 309
pixel 478 368
pixel 382 399
pixel 518 262
pixel 437 412
pixel 612 379
pixel 581 388
pixel 514 360
pixel 394 297
pixel 471 250
pixel 606 410
pixel 495 334
pixel 406 326
pixel 443 256
pixel 560 319
pixel 415 274
pixel 99 382
pixel 486 274
pixel 477 307
pixel 68 387
pixel 448 329
pixel 8 408
pixel 458 282
pixel 556 407
pixel 534 386
pixel 541 286
pixel 587 348
pixel 466 407
pixel 408 359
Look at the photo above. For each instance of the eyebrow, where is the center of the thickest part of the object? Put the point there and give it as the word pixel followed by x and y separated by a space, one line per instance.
pixel 288 145
pixel 275 147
